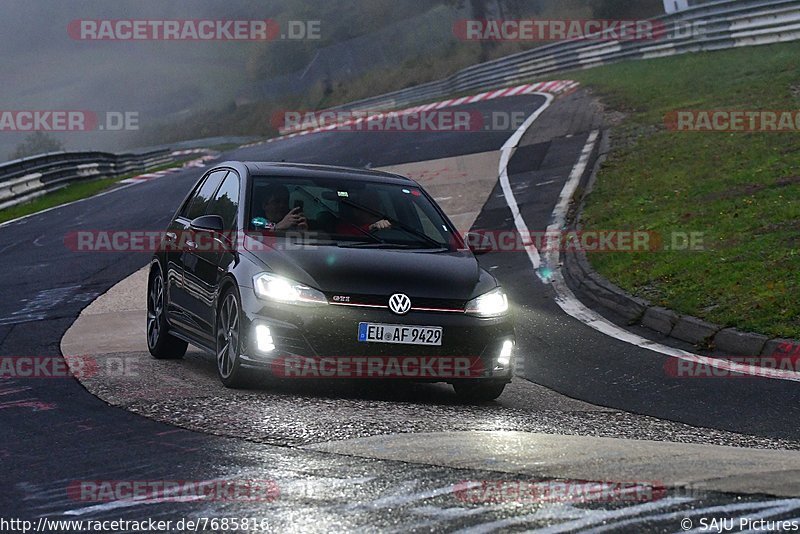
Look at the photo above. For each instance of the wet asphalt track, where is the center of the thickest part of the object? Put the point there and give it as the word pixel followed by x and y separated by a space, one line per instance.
pixel 54 432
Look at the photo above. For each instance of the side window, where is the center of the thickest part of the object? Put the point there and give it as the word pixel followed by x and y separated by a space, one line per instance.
pixel 199 203
pixel 226 201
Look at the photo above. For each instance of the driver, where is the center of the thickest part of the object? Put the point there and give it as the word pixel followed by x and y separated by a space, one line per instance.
pixel 276 210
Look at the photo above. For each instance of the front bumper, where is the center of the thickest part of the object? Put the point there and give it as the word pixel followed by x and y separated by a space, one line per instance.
pixel 329 333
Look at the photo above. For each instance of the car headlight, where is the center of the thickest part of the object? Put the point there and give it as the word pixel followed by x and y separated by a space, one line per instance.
pixel 491 304
pixel 280 289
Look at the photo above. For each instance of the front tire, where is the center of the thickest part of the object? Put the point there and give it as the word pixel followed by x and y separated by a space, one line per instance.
pixel 227 334
pixel 160 343
pixel 479 391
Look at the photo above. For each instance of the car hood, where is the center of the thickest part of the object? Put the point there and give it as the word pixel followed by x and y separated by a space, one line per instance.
pixel 334 270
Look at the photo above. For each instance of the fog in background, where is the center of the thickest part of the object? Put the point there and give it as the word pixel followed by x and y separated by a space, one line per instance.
pixel 168 82
pixel 43 68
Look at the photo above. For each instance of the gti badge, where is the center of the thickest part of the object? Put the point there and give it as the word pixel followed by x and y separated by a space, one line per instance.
pixel 399 303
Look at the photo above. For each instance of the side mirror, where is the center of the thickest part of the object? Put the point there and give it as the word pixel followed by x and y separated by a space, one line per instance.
pixel 478 243
pixel 208 223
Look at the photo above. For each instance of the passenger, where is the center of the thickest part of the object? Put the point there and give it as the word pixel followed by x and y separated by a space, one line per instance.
pixel 361 219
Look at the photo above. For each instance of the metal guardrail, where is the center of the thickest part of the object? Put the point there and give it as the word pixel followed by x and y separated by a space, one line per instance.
pixel 23 180
pixel 724 24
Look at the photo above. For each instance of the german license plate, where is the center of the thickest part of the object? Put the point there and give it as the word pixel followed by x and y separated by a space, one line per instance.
pixel 399 333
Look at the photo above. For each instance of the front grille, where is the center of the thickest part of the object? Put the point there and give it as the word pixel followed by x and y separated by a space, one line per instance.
pixel 417 303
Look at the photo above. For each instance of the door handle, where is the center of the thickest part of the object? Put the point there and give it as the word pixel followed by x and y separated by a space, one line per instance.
pixel 191 245
pixel 170 237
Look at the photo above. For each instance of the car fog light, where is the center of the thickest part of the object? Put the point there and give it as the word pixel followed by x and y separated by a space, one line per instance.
pixel 504 358
pixel 264 341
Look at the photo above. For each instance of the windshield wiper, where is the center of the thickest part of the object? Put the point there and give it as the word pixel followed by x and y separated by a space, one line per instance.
pixel 394 222
pixel 319 201
pixel 385 244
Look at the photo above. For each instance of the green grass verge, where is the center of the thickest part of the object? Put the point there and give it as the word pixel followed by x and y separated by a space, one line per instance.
pixel 71 193
pixel 741 190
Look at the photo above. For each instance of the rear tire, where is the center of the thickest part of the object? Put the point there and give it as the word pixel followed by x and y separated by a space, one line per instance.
pixel 228 341
pixel 160 343
pixel 479 391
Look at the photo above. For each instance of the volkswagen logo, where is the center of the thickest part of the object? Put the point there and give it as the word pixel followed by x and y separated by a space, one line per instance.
pixel 399 303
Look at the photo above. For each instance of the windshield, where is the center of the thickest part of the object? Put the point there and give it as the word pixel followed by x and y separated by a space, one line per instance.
pixel 349 213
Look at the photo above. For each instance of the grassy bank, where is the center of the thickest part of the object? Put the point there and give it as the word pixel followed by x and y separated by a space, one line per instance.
pixel 742 191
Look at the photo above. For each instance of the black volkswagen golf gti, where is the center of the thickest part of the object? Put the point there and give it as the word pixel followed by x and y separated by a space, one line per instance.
pixel 323 272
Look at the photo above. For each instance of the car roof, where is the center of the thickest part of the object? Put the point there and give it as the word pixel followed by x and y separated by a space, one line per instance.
pixel 306 170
